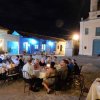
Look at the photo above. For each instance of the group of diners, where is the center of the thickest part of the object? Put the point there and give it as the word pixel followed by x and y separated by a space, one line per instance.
pixel 46 71
pixel 40 72
pixel 9 65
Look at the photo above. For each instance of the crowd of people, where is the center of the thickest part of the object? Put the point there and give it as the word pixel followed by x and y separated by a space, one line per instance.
pixel 49 65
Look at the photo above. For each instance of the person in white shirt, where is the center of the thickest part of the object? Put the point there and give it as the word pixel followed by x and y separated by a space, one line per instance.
pixel 2 56
pixel 28 67
pixel 16 61
pixel 30 76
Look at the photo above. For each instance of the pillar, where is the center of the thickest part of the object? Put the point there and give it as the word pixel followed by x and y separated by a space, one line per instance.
pixel 93 6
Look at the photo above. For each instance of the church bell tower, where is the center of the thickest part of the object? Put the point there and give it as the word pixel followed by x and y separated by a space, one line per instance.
pixel 94 9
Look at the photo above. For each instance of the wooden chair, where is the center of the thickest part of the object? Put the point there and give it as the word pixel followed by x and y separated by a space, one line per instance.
pixel 3 79
pixel 83 88
pixel 80 68
pixel 79 82
pixel 12 74
pixel 26 83
pixel 62 78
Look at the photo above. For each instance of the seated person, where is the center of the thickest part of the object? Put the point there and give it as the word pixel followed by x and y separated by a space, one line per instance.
pixel 52 64
pixel 48 60
pixel 1 60
pixel 37 80
pixel 70 67
pixel 29 69
pixel 2 57
pixel 32 59
pixel 32 79
pixel 42 63
pixel 21 61
pixel 21 64
pixel 49 81
pixel 64 69
pixel 10 64
pixel 62 74
pixel 36 64
pixel 76 67
pixel 54 59
pixel 16 60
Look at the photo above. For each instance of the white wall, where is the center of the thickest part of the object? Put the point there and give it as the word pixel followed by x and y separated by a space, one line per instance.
pixel 87 40
pixel 3 31
pixel 69 48
pixel 6 38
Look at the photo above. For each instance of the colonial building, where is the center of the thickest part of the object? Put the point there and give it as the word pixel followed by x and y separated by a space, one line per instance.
pixel 15 43
pixel 8 43
pixel 18 42
pixel 36 45
pixel 90 31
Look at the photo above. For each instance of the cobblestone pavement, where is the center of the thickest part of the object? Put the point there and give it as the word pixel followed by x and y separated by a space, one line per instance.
pixel 14 91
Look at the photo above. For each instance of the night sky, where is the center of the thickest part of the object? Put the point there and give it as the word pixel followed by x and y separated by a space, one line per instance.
pixel 46 17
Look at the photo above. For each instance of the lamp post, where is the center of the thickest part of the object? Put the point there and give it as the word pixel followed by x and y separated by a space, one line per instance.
pixel 75 39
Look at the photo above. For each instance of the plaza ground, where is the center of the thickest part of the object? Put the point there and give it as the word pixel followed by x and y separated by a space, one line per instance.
pixel 90 70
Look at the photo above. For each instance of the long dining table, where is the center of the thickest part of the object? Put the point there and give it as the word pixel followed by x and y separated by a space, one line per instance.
pixel 40 73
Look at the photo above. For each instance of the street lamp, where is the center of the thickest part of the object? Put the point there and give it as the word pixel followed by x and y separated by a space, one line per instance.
pixel 75 39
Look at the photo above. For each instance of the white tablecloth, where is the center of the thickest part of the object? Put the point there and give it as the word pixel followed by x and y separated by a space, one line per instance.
pixel 39 74
pixel 36 73
pixel 94 92
pixel 42 75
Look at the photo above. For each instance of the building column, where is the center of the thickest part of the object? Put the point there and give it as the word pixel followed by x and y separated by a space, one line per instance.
pixel 93 6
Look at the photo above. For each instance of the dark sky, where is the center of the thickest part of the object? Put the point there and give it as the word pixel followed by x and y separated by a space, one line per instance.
pixel 46 17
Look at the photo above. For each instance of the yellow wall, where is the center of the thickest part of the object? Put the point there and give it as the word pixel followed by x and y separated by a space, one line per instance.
pixel 58 44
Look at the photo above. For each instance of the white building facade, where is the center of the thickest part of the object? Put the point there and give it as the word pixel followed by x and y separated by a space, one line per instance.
pixel 90 31
pixel 64 48
pixel 9 43
pixel 13 44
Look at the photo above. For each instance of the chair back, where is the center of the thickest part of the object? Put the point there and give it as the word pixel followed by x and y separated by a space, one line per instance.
pixel 11 71
pixel 80 68
pixel 63 75
pixel 26 75
pixel 82 84
pixel 83 88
